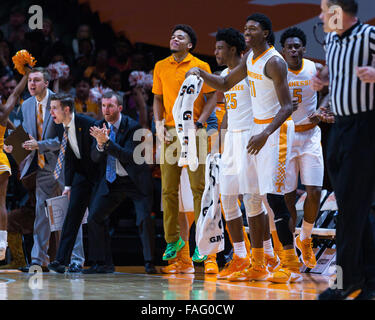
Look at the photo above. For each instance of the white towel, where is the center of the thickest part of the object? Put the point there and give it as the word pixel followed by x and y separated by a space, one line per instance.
pixel 184 119
pixel 209 234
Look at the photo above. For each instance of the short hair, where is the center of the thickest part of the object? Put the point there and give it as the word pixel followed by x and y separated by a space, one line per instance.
pixel 66 100
pixel 348 6
pixel 233 38
pixel 110 94
pixel 265 23
pixel 293 32
pixel 190 31
pixel 43 71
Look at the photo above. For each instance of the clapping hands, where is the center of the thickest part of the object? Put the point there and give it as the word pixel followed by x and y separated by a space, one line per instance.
pixel 100 134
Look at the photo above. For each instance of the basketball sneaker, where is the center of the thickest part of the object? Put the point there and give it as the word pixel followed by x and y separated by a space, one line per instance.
pixel 179 266
pixel 210 265
pixel 236 264
pixel 307 254
pixel 272 263
pixel 197 257
pixel 288 273
pixel 172 249
pixel 255 272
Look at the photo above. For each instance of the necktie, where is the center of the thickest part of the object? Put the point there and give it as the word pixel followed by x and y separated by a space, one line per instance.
pixel 39 122
pixel 111 161
pixel 60 158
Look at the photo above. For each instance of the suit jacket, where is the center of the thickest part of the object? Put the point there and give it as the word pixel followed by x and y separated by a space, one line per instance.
pixel 122 149
pixel 50 142
pixel 85 166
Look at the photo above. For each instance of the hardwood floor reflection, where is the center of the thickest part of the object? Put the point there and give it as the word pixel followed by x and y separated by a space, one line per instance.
pixel 131 283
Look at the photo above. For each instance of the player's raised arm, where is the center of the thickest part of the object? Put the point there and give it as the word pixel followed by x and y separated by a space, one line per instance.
pixel 13 98
pixel 222 83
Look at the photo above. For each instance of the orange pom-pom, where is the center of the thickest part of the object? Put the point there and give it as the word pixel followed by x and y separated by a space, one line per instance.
pixel 21 59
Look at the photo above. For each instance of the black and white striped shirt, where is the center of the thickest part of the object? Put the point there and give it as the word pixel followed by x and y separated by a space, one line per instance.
pixel 354 48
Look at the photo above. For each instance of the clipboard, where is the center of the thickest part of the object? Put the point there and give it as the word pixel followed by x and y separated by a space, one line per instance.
pixel 56 209
pixel 16 139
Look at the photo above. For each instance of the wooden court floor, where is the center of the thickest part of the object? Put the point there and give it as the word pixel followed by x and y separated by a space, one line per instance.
pixel 131 283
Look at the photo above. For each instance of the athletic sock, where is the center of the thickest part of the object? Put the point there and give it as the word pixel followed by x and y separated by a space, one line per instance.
pixel 276 242
pixel 240 249
pixel 268 249
pixel 184 253
pixel 306 230
pixel 258 256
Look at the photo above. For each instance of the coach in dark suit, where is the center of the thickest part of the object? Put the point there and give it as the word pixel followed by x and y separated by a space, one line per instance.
pixel 44 144
pixel 80 176
pixel 120 177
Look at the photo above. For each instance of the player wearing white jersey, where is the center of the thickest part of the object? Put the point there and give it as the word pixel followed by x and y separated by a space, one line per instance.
pixel 307 154
pixel 235 162
pixel 228 49
pixel 270 143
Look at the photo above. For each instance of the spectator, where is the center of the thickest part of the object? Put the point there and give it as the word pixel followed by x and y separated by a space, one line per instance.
pixel 121 59
pixel 113 80
pixel 101 65
pixel 83 103
pixel 14 31
pixel 5 59
pixel 48 32
pixel 138 101
pixel 83 33
pixel 85 57
pixel 66 86
pixel 34 42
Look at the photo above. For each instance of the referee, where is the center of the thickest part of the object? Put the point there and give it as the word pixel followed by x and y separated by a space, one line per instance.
pixel 350 57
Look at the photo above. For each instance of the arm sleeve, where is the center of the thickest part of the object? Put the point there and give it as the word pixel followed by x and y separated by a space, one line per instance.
pixel 157 86
pixel 372 41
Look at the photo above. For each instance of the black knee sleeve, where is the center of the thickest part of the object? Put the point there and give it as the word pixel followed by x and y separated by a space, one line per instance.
pixel 281 219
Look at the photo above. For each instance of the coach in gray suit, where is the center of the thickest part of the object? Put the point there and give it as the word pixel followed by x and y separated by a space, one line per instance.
pixel 44 144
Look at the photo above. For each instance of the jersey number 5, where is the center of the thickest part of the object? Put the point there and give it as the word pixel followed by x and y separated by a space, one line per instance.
pixel 297 93
pixel 231 100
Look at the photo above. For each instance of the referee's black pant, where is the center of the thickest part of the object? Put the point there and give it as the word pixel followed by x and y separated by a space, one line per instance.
pixel 351 167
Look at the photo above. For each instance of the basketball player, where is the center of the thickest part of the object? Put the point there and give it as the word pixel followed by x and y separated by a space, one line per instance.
pixel 307 154
pixel 229 46
pixel 270 143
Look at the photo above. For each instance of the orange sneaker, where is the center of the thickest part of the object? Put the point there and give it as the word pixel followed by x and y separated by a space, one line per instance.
pixel 307 254
pixel 288 273
pixel 186 266
pixel 236 264
pixel 255 272
pixel 179 266
pixel 272 263
pixel 172 267
pixel 210 265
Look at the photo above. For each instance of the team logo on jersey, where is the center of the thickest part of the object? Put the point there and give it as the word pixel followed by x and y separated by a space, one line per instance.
pixel 187 115
pixel 179 127
pixel 186 140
